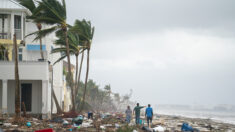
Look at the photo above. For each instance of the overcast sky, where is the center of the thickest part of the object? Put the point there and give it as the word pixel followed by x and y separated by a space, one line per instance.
pixel 167 51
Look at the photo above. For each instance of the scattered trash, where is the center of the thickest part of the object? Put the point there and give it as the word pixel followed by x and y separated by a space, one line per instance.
pixel 159 129
pixel 78 120
pixel 135 131
pixel 1 130
pixel 102 127
pixel 28 124
pixel 45 130
pixel 1 121
pixel 35 119
pixel 65 122
pixel 50 125
pixel 57 120
pixel 86 124
pixel 7 124
pixel 14 125
pixel 147 129
pixel 117 125
pixel 186 127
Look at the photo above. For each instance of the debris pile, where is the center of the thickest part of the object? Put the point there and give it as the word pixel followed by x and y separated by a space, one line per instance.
pixel 107 122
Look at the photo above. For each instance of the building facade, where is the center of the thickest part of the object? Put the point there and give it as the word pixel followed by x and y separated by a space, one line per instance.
pixel 37 76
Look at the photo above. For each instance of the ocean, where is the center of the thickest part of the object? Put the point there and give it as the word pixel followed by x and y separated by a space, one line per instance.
pixel 218 116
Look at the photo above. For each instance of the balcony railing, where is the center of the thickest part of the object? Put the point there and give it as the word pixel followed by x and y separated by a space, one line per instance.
pixel 4 36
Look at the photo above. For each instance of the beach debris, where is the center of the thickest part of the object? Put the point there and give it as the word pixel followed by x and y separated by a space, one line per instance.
pixel 159 129
pixel 78 120
pixel 57 120
pixel 147 129
pixel 102 127
pixel 34 119
pixel 14 125
pixel 7 124
pixel 50 126
pixel 186 127
pixel 117 125
pixel 45 130
pixel 28 124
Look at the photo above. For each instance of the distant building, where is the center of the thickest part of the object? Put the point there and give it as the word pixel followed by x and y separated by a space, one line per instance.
pixel 35 74
pixel 67 104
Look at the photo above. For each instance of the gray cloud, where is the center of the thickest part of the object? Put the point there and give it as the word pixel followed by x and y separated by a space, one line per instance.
pixel 166 51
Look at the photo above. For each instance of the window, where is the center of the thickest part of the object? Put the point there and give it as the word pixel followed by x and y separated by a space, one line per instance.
pixel 20 53
pixel 17 22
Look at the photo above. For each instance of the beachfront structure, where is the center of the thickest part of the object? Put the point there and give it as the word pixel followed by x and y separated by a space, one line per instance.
pixel 37 76
pixel 67 91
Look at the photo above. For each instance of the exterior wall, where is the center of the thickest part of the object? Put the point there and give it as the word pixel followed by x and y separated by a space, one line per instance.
pixel 36 96
pixel 27 70
pixel 57 80
pixel 30 68
pixel 1 94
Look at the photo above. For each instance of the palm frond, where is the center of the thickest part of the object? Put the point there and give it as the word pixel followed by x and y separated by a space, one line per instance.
pixel 61 58
pixel 43 33
pixel 29 4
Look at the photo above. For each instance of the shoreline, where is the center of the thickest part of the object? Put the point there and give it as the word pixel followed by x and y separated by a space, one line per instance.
pixel 174 122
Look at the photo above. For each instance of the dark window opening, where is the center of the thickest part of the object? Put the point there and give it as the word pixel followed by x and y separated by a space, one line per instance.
pixel 26 96
pixel 17 22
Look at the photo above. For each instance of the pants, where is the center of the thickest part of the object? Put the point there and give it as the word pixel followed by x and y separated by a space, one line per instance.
pixel 128 118
pixel 149 119
pixel 137 119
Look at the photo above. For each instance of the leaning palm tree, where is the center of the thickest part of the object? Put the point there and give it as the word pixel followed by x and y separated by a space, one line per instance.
pixel 75 48
pixel 86 33
pixel 31 6
pixel 53 12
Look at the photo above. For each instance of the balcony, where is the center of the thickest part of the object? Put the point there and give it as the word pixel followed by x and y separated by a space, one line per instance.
pixel 5 36
pixel 28 70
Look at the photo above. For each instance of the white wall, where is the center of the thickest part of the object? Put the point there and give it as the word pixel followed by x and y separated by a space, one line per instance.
pixel 0 94
pixel 27 70
pixel 36 96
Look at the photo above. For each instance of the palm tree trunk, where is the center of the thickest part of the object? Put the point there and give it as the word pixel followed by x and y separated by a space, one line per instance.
pixel 59 110
pixel 79 74
pixel 87 72
pixel 39 26
pixel 69 69
pixel 17 82
pixel 41 52
pixel 76 75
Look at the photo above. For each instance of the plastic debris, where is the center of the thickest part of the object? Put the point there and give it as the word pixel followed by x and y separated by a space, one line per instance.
pixel 147 129
pixel 135 131
pixel 28 124
pixel 51 126
pixel 186 127
pixel 159 129
pixel 35 119
pixel 117 125
pixel 78 120
pixel 102 127
pixel 45 130
pixel 7 124
pixel 86 124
